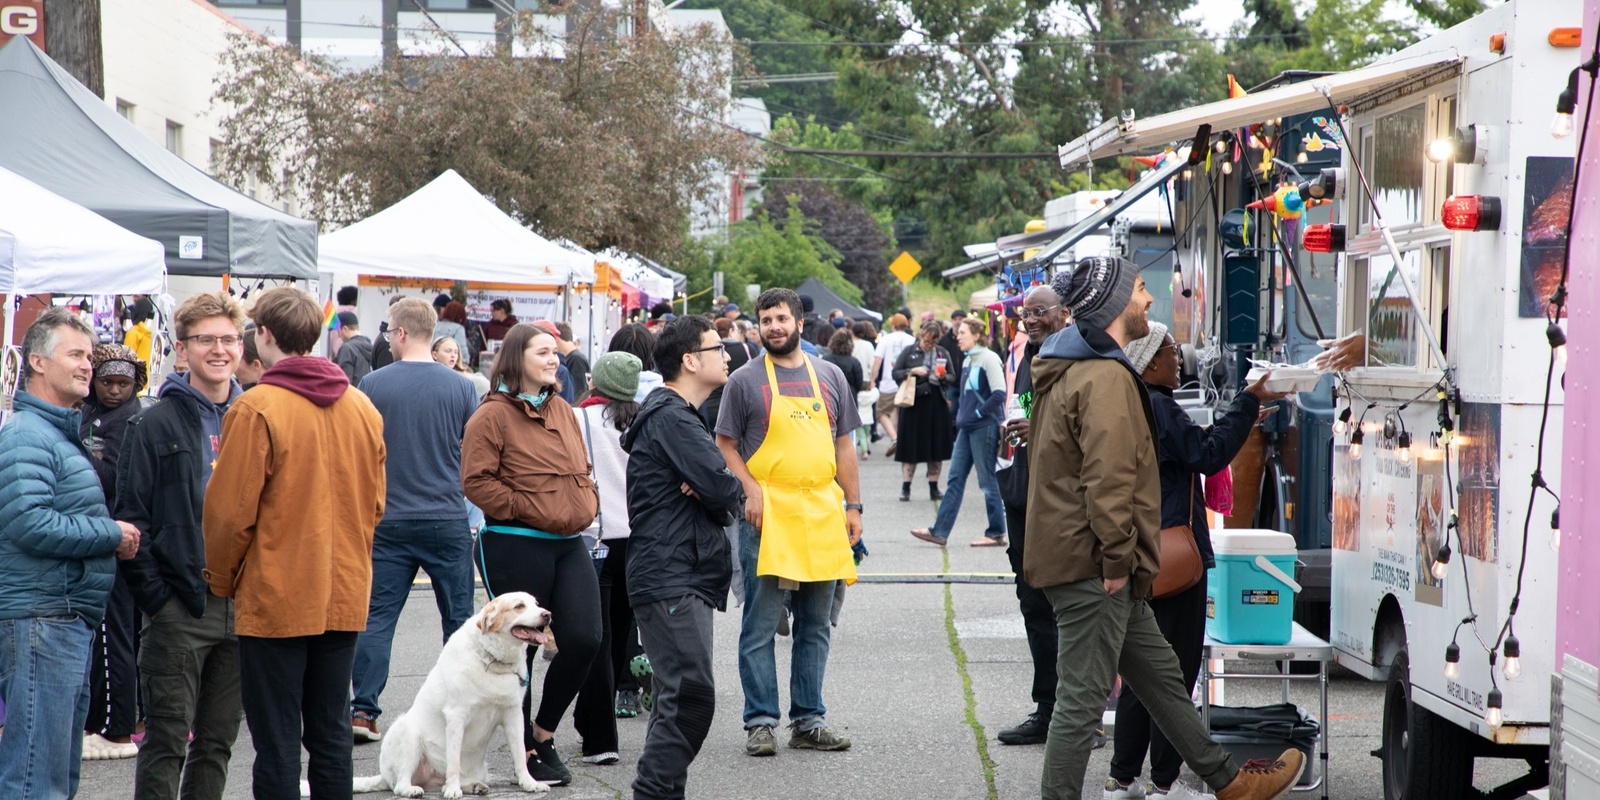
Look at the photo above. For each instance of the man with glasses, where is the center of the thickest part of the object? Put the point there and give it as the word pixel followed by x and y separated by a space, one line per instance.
pixel 189 658
pixel 425 406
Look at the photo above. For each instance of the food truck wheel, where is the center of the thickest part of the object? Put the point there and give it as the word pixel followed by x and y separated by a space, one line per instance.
pixel 1425 757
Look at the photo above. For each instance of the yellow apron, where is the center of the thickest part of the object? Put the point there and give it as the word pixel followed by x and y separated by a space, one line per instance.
pixel 803 533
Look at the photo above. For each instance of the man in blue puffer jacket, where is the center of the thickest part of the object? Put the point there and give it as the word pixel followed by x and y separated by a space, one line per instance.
pixel 56 569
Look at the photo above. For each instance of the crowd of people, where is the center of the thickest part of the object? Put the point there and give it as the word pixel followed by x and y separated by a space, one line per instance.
pixel 260 545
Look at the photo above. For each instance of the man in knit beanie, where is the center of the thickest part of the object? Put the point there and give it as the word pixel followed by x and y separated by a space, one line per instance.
pixel 1093 522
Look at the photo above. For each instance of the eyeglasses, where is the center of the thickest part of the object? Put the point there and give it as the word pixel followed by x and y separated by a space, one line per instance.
pixel 206 340
pixel 717 347
pixel 1036 313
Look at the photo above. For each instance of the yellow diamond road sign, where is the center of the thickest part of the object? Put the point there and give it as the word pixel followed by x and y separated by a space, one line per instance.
pixel 905 267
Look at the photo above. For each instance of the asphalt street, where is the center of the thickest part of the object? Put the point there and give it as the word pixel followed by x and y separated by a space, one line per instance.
pixel 921 678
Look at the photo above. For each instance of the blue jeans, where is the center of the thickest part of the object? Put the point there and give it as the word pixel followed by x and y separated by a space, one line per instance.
pixel 811 604
pixel 974 448
pixel 440 547
pixel 44 676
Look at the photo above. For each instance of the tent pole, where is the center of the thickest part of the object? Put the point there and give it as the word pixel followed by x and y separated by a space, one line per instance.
pixel 591 322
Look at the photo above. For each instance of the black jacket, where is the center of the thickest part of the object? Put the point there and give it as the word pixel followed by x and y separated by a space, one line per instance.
pixel 106 427
pixel 162 490
pixel 1188 451
pixel 677 545
pixel 851 368
pixel 951 346
pixel 914 356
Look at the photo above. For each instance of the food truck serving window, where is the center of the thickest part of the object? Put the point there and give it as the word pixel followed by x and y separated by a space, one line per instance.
pixel 1393 335
pixel 1396 167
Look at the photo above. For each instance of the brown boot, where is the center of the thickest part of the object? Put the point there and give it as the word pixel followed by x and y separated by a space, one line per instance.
pixel 1265 778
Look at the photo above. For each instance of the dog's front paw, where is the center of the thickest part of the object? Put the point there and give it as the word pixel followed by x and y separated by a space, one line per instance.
pixel 476 787
pixel 408 791
pixel 452 791
pixel 528 784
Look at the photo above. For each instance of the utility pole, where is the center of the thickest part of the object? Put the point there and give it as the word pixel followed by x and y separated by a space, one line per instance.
pixel 72 38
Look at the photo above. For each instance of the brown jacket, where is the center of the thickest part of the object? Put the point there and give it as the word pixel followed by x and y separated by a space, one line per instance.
pixel 1094 492
pixel 297 490
pixel 527 466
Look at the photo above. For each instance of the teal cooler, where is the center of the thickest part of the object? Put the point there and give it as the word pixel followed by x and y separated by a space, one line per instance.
pixel 1250 592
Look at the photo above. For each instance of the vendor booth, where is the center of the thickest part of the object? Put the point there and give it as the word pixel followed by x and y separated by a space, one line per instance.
pixel 49 244
pixel 61 136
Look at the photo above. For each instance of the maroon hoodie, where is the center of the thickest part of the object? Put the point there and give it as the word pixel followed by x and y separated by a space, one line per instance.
pixel 312 377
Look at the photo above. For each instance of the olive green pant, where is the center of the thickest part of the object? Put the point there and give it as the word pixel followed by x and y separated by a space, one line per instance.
pixel 1101 636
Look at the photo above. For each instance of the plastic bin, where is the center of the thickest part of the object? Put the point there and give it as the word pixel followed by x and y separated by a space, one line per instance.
pixel 1265 732
pixel 1251 590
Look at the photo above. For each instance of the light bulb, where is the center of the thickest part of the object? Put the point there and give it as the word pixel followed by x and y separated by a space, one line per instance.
pixel 1452 662
pixel 1561 126
pixel 1222 146
pixel 1492 717
pixel 1513 663
pixel 1441 562
pixel 1403 450
pixel 1188 174
pixel 1356 437
pixel 1302 158
pixel 1227 167
pixel 1342 424
pixel 1255 142
pixel 1555 529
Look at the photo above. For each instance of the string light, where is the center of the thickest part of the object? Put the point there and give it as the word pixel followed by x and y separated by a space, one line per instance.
pixel 1452 661
pixel 1222 146
pixel 1492 717
pixel 1513 664
pixel 1558 343
pixel 1227 167
pixel 1441 562
pixel 1555 529
pixel 1343 423
pixel 1403 447
pixel 1356 437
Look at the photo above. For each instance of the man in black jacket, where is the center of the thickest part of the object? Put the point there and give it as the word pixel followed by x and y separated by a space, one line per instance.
pixel 190 655
pixel 1043 315
pixel 681 496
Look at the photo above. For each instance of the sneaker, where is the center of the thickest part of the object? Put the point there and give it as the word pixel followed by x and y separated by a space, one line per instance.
pixel 544 764
pixel 99 748
pixel 1266 778
pixel 758 741
pixel 817 739
pixel 1118 791
pixel 628 704
pixel 1032 730
pixel 603 759
pixel 365 727
pixel 1176 791
pixel 640 668
pixel 890 452
pixel 1099 740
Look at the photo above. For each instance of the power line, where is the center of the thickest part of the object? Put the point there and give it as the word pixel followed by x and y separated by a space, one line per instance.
pixel 808 151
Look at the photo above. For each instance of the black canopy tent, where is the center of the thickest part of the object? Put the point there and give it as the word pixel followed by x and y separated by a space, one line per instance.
pixel 58 134
pixel 826 300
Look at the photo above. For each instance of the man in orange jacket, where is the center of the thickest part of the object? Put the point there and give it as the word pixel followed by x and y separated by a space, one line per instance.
pixel 297 490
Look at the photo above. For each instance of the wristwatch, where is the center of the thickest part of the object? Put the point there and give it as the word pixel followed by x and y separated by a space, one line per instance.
pixel 854 507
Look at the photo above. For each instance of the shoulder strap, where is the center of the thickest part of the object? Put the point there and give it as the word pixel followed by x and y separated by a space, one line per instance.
pixel 588 435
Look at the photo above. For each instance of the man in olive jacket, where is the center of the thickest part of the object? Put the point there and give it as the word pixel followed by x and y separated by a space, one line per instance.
pixel 1093 522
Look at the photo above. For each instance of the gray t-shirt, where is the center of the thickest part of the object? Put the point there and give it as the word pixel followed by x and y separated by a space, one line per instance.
pixel 425 408
pixel 746 400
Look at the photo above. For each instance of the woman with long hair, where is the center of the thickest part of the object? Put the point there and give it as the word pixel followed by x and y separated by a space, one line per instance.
pixel 638 340
pixel 608 411
pixel 453 323
pixel 925 430
pixel 841 353
pixel 523 462
pixel 447 352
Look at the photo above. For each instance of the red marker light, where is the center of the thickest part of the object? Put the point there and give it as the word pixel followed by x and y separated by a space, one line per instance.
pixel 1326 238
pixel 1471 212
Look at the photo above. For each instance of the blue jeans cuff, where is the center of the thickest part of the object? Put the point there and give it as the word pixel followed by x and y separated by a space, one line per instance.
pixel 756 722
pixel 809 724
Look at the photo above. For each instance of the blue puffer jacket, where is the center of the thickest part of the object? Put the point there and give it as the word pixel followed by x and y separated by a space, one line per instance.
pixel 56 538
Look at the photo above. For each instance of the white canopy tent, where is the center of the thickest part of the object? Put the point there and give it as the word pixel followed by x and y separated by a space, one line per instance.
pixel 447 230
pixel 51 244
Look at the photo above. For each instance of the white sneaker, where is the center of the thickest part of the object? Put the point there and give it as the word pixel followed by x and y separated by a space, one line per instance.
pixel 603 759
pixel 1116 791
pixel 99 748
pixel 1177 792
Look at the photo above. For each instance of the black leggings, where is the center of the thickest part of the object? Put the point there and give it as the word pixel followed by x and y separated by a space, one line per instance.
pixel 560 575
pixel 595 716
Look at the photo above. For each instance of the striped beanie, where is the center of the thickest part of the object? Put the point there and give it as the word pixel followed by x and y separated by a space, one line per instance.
pixel 1097 290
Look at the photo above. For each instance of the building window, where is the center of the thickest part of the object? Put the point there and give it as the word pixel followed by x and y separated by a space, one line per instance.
pixel 125 109
pixel 175 138
pixel 453 5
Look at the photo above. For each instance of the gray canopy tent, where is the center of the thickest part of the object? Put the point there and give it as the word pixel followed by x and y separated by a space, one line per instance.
pixel 825 300
pixel 58 134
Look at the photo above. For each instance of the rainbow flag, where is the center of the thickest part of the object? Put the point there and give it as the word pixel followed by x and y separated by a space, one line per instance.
pixel 329 318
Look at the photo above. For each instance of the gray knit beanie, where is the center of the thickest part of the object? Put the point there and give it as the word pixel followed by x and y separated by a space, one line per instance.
pixel 1141 352
pixel 1097 290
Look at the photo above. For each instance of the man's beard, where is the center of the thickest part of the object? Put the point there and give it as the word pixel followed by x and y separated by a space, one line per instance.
pixel 1135 323
pixel 790 343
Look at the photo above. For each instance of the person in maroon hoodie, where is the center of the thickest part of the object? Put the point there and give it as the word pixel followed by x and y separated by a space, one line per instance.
pixel 500 321
pixel 295 495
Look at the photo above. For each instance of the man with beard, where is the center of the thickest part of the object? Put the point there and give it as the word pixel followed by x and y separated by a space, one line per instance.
pixel 1094 514
pixel 1043 315
pixel 785 429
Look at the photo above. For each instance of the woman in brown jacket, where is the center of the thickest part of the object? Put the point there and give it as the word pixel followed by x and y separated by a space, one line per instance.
pixel 523 462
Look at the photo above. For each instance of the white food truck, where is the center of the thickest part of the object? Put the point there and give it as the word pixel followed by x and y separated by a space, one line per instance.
pixel 1435 263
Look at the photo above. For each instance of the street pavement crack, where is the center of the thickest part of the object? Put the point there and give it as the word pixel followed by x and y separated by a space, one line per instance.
pixel 960 654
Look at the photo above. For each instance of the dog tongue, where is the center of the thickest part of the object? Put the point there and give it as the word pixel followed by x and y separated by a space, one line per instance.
pixel 527 634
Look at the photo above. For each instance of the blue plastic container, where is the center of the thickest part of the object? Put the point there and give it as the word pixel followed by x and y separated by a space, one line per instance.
pixel 1250 592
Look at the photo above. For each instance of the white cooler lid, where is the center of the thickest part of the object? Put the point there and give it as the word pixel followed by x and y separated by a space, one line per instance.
pixel 1252 542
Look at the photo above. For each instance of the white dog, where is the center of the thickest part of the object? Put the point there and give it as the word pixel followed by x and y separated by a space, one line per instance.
pixel 475 687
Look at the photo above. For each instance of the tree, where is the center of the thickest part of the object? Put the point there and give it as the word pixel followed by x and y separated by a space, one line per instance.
pixel 609 146
pixel 72 38
pixel 781 253
pixel 849 228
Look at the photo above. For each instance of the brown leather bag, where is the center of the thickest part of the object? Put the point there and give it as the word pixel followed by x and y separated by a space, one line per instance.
pixel 1181 565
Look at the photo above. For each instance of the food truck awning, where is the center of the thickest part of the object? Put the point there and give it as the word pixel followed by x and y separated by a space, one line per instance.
pixel 1358 88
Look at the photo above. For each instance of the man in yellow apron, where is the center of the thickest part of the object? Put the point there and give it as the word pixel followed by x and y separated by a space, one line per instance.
pixel 785 429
